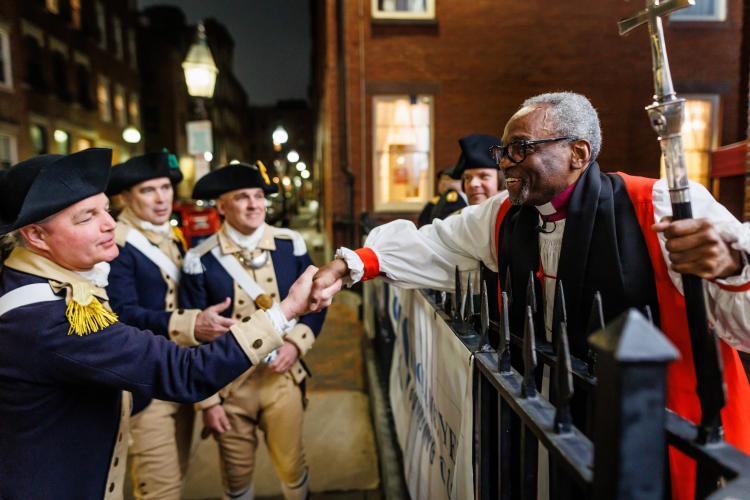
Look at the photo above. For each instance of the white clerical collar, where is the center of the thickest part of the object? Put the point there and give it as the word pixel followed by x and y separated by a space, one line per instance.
pixel 546 209
pixel 97 275
pixel 245 241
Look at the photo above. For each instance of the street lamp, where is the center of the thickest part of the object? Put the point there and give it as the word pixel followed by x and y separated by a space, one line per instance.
pixel 279 136
pixel 292 156
pixel 199 67
pixel 131 135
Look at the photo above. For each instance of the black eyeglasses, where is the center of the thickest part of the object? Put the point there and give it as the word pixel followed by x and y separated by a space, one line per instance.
pixel 516 151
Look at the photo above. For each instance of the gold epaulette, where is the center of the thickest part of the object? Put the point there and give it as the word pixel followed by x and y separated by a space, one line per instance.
pixel 85 313
pixel 451 197
pixel 180 237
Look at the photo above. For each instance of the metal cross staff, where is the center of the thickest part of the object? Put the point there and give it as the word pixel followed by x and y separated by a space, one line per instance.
pixel 666 114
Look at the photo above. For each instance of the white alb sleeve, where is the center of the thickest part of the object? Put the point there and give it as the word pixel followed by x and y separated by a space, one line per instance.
pixel 427 257
pixel 728 309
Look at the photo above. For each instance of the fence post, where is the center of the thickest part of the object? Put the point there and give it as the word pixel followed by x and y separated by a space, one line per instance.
pixel 629 436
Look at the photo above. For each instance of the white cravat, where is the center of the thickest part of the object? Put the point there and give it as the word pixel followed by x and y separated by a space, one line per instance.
pixel 164 229
pixel 550 245
pixel 97 275
pixel 245 241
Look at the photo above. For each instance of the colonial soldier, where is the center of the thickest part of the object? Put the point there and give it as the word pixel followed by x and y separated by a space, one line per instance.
pixel 450 198
pixel 477 169
pixel 255 264
pixel 142 289
pixel 66 362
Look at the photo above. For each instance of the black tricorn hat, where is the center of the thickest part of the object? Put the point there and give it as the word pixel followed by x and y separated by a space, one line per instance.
pixel 143 168
pixel 475 153
pixel 34 189
pixel 231 177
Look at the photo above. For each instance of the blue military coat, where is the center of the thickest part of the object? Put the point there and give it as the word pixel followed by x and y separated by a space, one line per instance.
pixel 139 291
pixel 61 393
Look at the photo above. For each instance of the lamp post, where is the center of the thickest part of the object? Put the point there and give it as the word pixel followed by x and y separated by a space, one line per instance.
pixel 200 77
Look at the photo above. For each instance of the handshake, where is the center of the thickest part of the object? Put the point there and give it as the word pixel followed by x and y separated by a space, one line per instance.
pixel 314 289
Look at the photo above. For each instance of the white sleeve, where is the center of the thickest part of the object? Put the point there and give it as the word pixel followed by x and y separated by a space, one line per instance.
pixel 728 308
pixel 427 257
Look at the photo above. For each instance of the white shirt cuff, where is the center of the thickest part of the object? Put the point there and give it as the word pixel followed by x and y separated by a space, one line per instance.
pixel 279 321
pixel 354 263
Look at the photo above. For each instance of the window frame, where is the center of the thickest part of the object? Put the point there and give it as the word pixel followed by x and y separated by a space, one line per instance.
pixel 6 62
pixel 427 15
pixel 13 146
pixel 379 205
pixel 103 80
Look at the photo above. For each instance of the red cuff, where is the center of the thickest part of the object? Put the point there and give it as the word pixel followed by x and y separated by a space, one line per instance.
pixel 733 288
pixel 370 260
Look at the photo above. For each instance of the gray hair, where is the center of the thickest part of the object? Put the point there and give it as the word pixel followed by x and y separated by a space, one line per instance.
pixel 572 115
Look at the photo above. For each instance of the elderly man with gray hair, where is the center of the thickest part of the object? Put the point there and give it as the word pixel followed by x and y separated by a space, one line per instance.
pixel 565 219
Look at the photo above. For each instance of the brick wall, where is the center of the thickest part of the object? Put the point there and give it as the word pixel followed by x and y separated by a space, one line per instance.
pixel 482 58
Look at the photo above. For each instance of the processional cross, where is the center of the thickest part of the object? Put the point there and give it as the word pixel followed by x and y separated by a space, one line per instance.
pixel 666 114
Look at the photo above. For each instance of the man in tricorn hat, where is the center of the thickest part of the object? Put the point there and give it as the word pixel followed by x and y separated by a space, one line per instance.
pixel 450 198
pixel 254 264
pixel 564 219
pixel 478 172
pixel 67 365
pixel 143 284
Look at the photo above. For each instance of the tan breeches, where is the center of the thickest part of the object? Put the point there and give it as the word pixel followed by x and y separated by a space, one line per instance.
pixel 273 403
pixel 160 449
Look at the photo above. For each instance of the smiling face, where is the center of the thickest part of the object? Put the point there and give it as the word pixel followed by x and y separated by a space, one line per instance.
pixel 151 200
pixel 77 237
pixel 548 168
pixel 243 209
pixel 480 184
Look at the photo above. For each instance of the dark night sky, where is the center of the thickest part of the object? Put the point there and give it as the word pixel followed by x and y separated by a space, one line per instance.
pixel 272 42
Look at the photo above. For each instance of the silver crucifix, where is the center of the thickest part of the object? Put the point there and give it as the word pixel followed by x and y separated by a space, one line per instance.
pixel 667 111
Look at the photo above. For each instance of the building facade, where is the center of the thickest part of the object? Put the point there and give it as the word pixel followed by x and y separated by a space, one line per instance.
pixel 397 82
pixel 69 77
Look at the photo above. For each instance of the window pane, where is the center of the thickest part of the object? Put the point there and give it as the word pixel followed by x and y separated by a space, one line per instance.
pixel 75 11
pixel 134 109
pixel 703 9
pixel 102 97
pixel 697 138
pixel 402 5
pixel 38 139
pixel 402 151
pixel 6 151
pixel 119 102
pixel 4 63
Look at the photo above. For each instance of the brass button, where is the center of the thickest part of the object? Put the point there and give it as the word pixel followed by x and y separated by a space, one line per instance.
pixel 257 344
pixel 117 461
pixel 111 487
pixel 273 295
pixel 240 302
pixel 180 311
pixel 246 319
pixel 269 279
pixel 169 306
pixel 238 315
pixel 304 335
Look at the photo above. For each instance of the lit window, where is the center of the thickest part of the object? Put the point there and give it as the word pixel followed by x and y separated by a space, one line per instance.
pixel 62 141
pixel 8 154
pixel 703 10
pixel 53 6
pixel 119 102
pixel 117 32
pixel 101 24
pixel 38 135
pixel 102 98
pixel 75 13
pixel 402 152
pixel 83 143
pixel 6 78
pixel 134 109
pixel 699 136
pixel 403 9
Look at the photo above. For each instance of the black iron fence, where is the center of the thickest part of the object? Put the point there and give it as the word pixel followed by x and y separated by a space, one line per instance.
pixel 601 421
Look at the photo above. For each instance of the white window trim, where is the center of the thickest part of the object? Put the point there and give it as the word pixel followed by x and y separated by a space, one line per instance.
pixel 426 15
pixel 13 146
pixel 7 66
pixel 401 206
pixel 721 15
pixel 33 31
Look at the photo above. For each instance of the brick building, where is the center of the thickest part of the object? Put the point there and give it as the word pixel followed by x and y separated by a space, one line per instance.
pixel 397 82
pixel 164 40
pixel 69 77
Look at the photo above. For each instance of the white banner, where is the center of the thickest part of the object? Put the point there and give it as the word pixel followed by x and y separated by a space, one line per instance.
pixel 431 399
